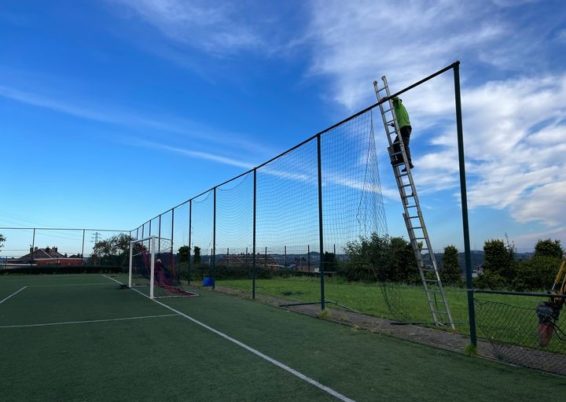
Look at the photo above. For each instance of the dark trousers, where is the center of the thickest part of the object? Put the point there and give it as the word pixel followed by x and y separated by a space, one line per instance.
pixel 406 136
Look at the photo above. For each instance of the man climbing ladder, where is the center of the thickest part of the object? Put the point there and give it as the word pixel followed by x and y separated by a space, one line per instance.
pixel 405 128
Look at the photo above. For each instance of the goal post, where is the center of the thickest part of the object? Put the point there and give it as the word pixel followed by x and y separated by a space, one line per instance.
pixel 152 268
pixel 141 269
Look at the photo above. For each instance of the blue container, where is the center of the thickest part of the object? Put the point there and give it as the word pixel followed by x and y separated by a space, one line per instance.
pixel 208 281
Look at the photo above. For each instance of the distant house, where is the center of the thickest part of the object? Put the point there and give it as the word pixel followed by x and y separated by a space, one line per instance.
pixel 47 256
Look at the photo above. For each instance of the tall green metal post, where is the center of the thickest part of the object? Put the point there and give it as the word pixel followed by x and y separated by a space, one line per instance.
pixel 320 223
pixel 463 194
pixel 254 266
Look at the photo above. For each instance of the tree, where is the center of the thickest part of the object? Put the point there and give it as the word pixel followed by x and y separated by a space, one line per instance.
pixel 196 255
pixel 498 266
pixel 403 263
pixel 451 268
pixel 112 251
pixel 548 248
pixel 381 258
pixel 329 261
pixel 538 273
pixel 2 240
pixel 498 259
pixel 184 253
pixel 368 258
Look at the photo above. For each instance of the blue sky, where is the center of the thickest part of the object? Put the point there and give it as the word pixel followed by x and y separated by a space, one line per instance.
pixel 116 110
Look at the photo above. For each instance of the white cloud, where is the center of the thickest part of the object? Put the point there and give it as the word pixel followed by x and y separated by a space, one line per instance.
pixel 515 128
pixel 215 28
pixel 515 146
pixel 357 41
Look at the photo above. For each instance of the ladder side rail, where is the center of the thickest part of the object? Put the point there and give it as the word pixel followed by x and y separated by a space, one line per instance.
pixel 435 268
pixel 419 260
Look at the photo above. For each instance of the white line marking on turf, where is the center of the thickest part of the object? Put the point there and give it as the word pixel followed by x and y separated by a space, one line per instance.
pixel 60 285
pixel 249 349
pixel 49 324
pixel 12 295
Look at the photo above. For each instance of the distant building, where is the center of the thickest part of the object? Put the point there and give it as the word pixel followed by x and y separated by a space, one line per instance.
pixel 47 256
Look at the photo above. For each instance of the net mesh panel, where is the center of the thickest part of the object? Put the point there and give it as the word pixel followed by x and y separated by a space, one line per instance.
pixel 145 232
pixel 201 237
pixel 181 238
pixel 165 246
pixel 287 219
pixel 511 325
pixel 154 227
pixel 141 260
pixel 166 276
pixel 234 228
pixel 352 200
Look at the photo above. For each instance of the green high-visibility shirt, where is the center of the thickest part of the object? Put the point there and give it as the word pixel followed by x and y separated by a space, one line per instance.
pixel 401 113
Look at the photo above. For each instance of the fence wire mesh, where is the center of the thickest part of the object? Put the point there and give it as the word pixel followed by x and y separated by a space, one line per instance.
pixel 511 325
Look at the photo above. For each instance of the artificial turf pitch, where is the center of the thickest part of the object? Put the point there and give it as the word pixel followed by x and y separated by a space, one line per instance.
pixel 106 344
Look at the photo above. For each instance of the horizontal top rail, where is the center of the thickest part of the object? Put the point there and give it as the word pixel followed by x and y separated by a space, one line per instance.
pixel 515 293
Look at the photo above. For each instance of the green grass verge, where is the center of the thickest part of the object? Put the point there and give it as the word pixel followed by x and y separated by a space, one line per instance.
pixel 408 301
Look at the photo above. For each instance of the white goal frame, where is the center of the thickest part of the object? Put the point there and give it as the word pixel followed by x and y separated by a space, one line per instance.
pixel 152 240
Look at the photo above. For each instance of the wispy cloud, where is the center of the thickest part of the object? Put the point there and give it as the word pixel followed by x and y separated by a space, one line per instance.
pixel 215 28
pixel 190 153
pixel 151 126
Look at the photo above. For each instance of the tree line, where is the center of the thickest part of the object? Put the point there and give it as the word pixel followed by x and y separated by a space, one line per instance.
pixel 392 259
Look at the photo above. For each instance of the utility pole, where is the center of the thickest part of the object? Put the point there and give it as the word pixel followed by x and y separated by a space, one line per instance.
pixel 95 237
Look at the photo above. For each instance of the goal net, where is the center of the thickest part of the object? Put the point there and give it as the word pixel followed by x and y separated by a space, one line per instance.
pixel 153 269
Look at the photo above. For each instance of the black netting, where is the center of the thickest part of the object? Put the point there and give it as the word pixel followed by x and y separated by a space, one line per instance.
pixel 202 215
pixel 234 228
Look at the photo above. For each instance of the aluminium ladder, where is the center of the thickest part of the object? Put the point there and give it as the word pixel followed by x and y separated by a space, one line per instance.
pixel 412 215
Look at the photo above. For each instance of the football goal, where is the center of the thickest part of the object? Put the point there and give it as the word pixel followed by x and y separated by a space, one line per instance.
pixel 153 268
